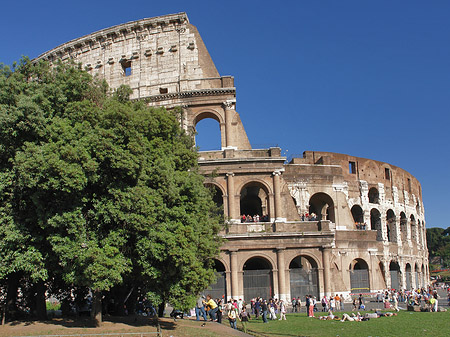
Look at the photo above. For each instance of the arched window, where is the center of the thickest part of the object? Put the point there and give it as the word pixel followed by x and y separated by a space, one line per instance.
pixel 374 196
pixel 207 132
pixel 391 226
pixel 404 227
pixel 258 280
pixel 322 205
pixel 394 270
pixel 413 229
pixel 359 276
pixel 254 201
pixel 358 216
pixel 408 275
pixel 304 277
pixel 218 289
pixel 375 223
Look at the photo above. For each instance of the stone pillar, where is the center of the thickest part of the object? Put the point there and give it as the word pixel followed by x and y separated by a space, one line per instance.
pixel 229 114
pixel 326 256
pixel 234 274
pixel 398 235
pixel 387 274
pixel 231 197
pixel 277 196
pixel 281 275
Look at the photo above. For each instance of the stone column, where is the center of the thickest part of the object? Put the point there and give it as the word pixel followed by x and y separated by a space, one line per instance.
pixel 326 256
pixel 387 273
pixel 277 196
pixel 234 274
pixel 398 235
pixel 229 113
pixel 281 275
pixel 231 198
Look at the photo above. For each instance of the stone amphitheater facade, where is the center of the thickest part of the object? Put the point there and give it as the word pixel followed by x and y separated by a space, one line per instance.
pixel 369 229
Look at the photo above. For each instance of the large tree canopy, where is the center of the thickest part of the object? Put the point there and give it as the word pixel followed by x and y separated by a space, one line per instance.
pixel 99 190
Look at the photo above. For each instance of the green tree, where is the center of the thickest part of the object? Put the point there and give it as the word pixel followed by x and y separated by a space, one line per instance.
pixel 102 189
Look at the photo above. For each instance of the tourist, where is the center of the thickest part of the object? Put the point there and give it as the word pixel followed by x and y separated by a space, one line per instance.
pixel 354 304
pixel 219 311
pixel 272 314
pixel 200 308
pixel 395 301
pixel 264 309
pixel 341 302
pixel 324 302
pixel 283 310
pixel 244 317
pixel 361 302
pixel 212 305
pixel 307 304
pixel 337 301
pixel 233 317
pixel 257 307
pixel 294 305
pixel 311 306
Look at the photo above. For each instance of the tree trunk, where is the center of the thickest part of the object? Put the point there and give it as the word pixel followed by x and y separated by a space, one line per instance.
pixel 96 311
pixel 161 308
pixel 11 297
pixel 41 308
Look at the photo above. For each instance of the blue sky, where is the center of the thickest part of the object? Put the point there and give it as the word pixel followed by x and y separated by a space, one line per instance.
pixel 370 79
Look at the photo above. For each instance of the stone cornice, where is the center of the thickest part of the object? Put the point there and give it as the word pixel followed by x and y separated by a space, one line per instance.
pixel 191 93
pixel 102 35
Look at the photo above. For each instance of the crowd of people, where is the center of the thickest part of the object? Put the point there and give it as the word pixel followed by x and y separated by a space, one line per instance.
pixel 266 218
pixel 255 218
pixel 276 309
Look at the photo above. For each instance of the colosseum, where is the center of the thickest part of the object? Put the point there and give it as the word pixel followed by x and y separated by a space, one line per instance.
pixel 322 224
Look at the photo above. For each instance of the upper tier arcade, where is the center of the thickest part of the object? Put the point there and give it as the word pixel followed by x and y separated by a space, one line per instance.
pixel 165 62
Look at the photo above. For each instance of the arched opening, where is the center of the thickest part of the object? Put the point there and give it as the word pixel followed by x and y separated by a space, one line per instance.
pixel 358 216
pixel 359 276
pixel 413 229
pixel 394 270
pixel 375 223
pixel 390 226
pixel 321 207
pixel 374 196
pixel 218 289
pixel 408 276
pixel 207 132
pixel 304 277
pixel 404 227
pixel 258 280
pixel 254 202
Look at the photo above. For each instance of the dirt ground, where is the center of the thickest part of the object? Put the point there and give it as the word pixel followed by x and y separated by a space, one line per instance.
pixel 59 326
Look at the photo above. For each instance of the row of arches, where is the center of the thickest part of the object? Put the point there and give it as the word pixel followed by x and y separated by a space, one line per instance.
pixel 414 278
pixel 255 200
pixel 410 228
pixel 304 277
pixel 374 198
pixel 258 278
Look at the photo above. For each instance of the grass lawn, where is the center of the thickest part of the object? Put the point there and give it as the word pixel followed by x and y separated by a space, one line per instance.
pixel 407 323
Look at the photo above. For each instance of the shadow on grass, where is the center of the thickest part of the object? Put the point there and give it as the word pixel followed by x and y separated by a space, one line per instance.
pixel 86 322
